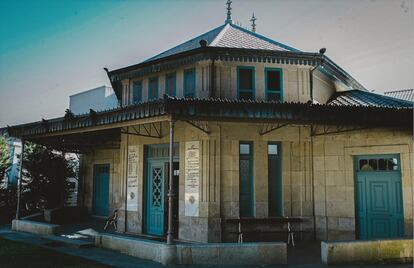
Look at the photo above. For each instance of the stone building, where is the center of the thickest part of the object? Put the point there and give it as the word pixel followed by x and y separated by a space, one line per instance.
pixel 261 134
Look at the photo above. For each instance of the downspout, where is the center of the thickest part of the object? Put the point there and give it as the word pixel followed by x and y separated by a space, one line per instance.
pixel 321 52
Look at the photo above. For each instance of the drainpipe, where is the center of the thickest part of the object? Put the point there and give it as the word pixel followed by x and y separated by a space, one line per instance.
pixel 170 231
pixel 19 182
pixel 321 52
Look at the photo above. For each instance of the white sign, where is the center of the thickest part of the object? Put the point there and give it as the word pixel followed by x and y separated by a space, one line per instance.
pixel 132 179
pixel 192 178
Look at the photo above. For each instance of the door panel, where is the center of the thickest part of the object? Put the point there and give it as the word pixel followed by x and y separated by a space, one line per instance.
pixel 379 204
pixel 101 190
pixel 155 199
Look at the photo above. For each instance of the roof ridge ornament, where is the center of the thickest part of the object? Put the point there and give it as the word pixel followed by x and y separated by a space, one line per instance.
pixel 229 20
pixel 253 20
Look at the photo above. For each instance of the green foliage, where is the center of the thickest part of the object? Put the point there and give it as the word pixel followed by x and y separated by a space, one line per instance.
pixel 4 157
pixel 45 176
pixel 8 203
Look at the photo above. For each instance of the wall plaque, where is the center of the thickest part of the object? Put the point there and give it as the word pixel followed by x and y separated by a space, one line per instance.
pixel 192 178
pixel 132 179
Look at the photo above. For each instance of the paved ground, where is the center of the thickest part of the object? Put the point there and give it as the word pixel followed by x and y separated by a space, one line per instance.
pixel 299 257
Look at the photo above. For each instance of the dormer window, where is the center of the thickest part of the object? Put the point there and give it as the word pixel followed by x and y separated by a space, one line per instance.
pixel 153 88
pixel 273 83
pixel 189 83
pixel 245 83
pixel 170 84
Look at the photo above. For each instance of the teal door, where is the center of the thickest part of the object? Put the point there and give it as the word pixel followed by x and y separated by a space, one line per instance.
pixel 155 198
pixel 101 190
pixel 379 206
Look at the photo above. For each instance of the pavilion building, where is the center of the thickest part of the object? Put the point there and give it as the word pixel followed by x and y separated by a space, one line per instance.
pixel 233 128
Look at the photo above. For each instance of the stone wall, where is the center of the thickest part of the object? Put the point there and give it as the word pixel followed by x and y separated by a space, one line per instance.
pixel 102 156
pixel 317 177
pixel 334 177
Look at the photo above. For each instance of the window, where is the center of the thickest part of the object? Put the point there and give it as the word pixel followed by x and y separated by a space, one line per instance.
pixel 189 83
pixel 170 84
pixel 378 163
pixel 274 84
pixel 274 161
pixel 246 179
pixel 245 83
pixel 136 92
pixel 153 88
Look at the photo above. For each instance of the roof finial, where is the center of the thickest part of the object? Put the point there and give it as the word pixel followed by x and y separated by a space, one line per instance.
pixel 253 20
pixel 229 20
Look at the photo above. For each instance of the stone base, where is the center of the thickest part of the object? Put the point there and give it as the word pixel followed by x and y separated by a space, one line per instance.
pixel 34 227
pixel 367 252
pixel 199 254
pixel 233 254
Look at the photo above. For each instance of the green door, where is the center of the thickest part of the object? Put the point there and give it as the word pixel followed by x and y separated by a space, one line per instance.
pixel 155 198
pixel 379 197
pixel 101 190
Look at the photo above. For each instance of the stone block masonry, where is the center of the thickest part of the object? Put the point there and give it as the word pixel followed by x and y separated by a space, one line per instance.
pixel 367 252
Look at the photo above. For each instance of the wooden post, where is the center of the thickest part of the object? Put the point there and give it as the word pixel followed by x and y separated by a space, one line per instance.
pixel 19 182
pixel 170 231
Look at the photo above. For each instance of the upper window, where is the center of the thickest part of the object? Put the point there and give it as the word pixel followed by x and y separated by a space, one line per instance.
pixel 136 92
pixel 245 83
pixel 274 85
pixel 189 83
pixel 170 84
pixel 153 88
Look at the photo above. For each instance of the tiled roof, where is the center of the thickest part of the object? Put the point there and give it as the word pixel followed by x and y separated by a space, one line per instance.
pixel 220 110
pixel 365 98
pixel 405 94
pixel 228 35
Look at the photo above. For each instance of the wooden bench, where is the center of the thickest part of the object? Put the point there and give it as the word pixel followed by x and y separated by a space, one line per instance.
pixel 243 222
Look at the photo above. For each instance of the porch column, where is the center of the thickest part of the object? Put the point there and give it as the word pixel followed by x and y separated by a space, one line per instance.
pixel 19 182
pixel 170 231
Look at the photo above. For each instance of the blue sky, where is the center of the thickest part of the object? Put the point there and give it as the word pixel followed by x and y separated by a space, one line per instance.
pixel 52 49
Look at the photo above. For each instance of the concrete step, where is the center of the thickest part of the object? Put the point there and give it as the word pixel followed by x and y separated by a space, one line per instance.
pixel 56 241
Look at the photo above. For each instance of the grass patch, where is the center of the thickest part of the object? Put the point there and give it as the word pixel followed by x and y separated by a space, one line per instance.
pixel 16 254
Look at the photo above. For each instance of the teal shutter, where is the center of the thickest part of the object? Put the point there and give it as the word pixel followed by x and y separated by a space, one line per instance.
pixel 153 88
pixel 136 92
pixel 274 84
pixel 245 83
pixel 170 84
pixel 189 83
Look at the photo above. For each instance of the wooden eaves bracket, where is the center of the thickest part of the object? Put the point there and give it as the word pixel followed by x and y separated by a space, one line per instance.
pixel 271 127
pixel 327 130
pixel 151 130
pixel 203 127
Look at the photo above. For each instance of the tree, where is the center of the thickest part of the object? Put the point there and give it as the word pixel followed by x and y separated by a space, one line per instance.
pixel 45 175
pixel 4 157
pixel 7 194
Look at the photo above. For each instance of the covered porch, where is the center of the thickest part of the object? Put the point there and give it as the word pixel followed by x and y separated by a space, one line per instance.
pixel 141 153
